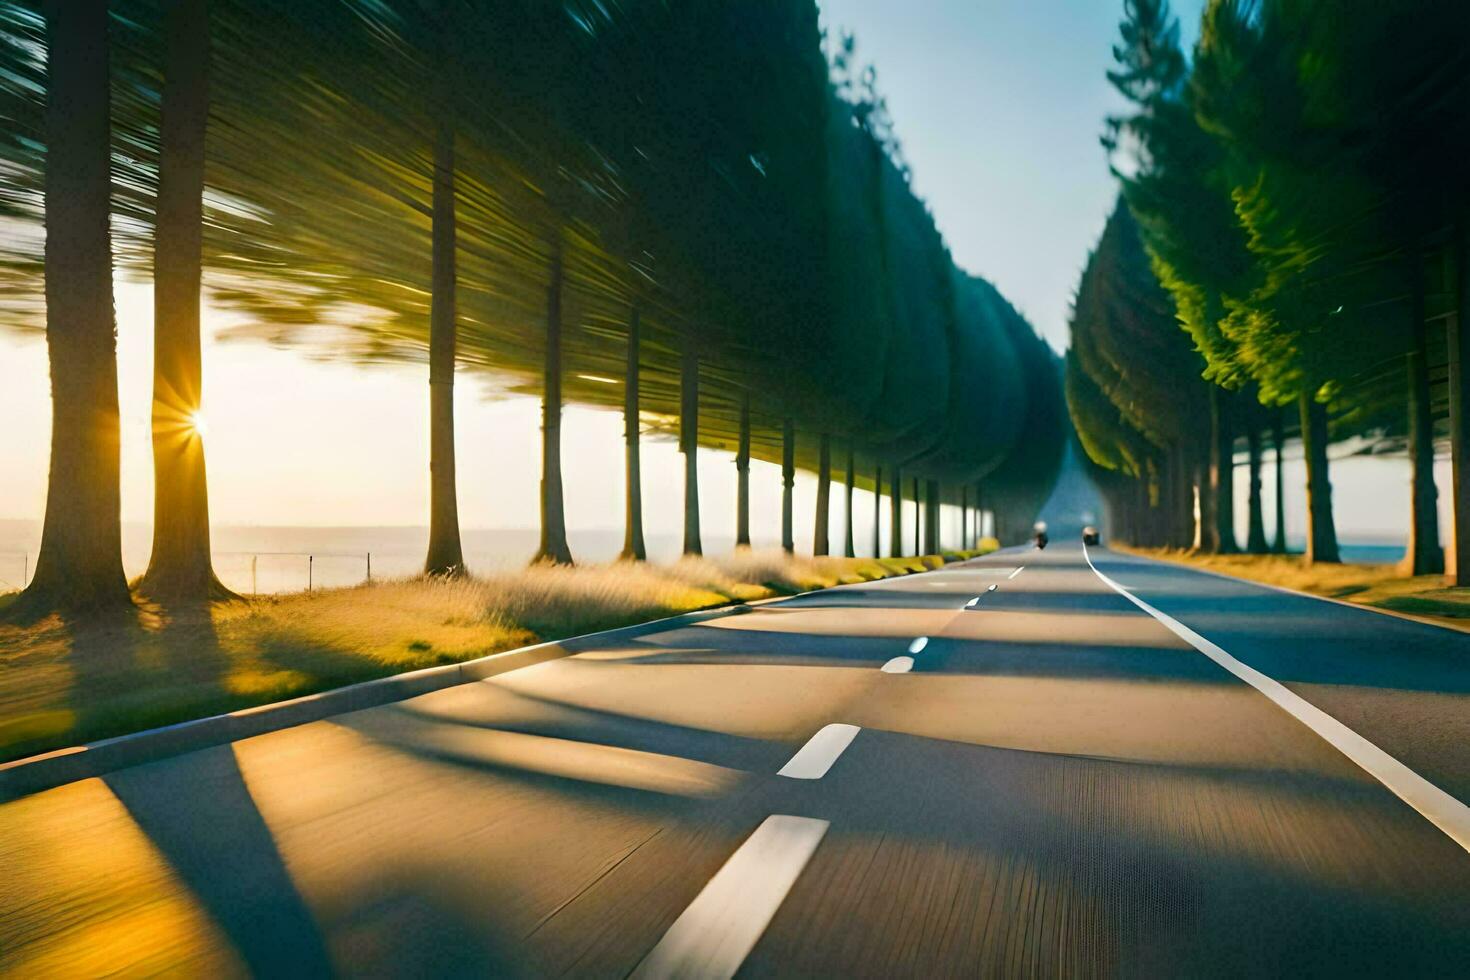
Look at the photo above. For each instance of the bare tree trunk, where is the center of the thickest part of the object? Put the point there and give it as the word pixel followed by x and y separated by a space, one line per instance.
pixel 633 545
pixel 1321 531
pixel 931 517
pixel 689 446
pixel 979 512
pixel 180 567
pixel 1278 439
pixel 446 556
pixel 847 545
pixel 788 483
pixel 821 544
pixel 965 517
pixel 1459 347
pixel 1256 535
pixel 1222 475
pixel 80 563
pixel 895 502
pixel 1423 555
pixel 742 477
pixel 878 512
pixel 918 519
pixel 554 548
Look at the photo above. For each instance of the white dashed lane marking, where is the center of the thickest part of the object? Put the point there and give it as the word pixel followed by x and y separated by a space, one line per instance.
pixel 821 750
pixel 715 934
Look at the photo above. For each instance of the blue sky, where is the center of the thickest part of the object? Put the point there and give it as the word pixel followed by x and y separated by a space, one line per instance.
pixel 999 105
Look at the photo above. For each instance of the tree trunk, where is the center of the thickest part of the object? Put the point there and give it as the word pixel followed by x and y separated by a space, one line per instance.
pixel 895 507
pixel 918 519
pixel 979 513
pixel 878 512
pixel 931 517
pixel 633 544
pixel 554 548
pixel 742 477
pixel 1222 475
pixel 1181 499
pixel 180 567
pixel 1423 555
pixel 689 446
pixel 847 545
pixel 821 544
pixel 1278 439
pixel 965 517
pixel 788 483
pixel 1459 347
pixel 80 564
pixel 1256 536
pixel 446 556
pixel 1321 532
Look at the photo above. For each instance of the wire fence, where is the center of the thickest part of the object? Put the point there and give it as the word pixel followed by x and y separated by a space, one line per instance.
pixel 247 572
pixel 272 572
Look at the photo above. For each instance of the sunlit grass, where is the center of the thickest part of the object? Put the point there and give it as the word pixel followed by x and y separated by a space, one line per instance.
pixel 1381 586
pixel 66 683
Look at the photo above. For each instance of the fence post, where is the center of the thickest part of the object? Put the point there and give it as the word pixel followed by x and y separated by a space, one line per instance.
pixel 370 568
pixel 310 561
pixel 254 587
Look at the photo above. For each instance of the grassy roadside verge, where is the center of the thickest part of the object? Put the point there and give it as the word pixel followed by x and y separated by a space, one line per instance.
pixel 1376 586
pixel 64 683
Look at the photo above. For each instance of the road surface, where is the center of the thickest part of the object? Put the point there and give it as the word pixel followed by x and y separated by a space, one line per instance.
pixel 1006 767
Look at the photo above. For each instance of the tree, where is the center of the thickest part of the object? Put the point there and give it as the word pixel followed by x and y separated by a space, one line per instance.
pixel 180 567
pixel 79 567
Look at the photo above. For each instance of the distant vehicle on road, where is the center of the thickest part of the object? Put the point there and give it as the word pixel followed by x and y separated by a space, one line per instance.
pixel 1090 536
pixel 1041 538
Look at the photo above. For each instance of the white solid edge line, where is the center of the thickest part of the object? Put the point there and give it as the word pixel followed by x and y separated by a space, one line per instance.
pixel 918 645
pixel 814 758
pixel 898 665
pixel 1433 803
pixel 1018 571
pixel 714 935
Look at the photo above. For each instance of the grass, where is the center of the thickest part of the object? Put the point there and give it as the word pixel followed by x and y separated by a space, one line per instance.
pixel 1376 586
pixel 67 682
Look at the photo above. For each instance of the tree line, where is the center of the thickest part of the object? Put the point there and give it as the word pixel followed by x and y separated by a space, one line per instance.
pixel 696 213
pixel 1292 197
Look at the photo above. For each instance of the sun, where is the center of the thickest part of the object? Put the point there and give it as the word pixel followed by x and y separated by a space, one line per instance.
pixel 199 424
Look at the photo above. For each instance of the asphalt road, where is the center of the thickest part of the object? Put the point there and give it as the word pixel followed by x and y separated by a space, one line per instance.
pixel 1051 783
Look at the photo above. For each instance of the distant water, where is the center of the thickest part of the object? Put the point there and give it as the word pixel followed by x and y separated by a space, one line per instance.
pixel 285 559
pixel 1371 554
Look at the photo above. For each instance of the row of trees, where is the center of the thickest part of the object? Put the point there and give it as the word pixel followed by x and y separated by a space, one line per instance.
pixel 1292 197
pixel 682 210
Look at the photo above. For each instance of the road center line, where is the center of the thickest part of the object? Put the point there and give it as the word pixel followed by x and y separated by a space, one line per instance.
pixel 899 665
pixel 814 758
pixel 919 644
pixel 971 603
pixel 1436 806
pixel 1018 571
pixel 714 935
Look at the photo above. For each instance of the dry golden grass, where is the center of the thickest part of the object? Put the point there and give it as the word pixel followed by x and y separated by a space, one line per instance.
pixel 63 683
pixel 1378 586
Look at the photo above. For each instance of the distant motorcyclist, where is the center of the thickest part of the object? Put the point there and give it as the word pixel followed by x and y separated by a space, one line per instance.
pixel 1041 538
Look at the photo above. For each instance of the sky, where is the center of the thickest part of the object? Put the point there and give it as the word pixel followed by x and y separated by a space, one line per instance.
pixel 998 104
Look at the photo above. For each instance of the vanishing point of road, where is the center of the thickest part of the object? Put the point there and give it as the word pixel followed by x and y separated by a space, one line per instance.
pixel 1022 765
